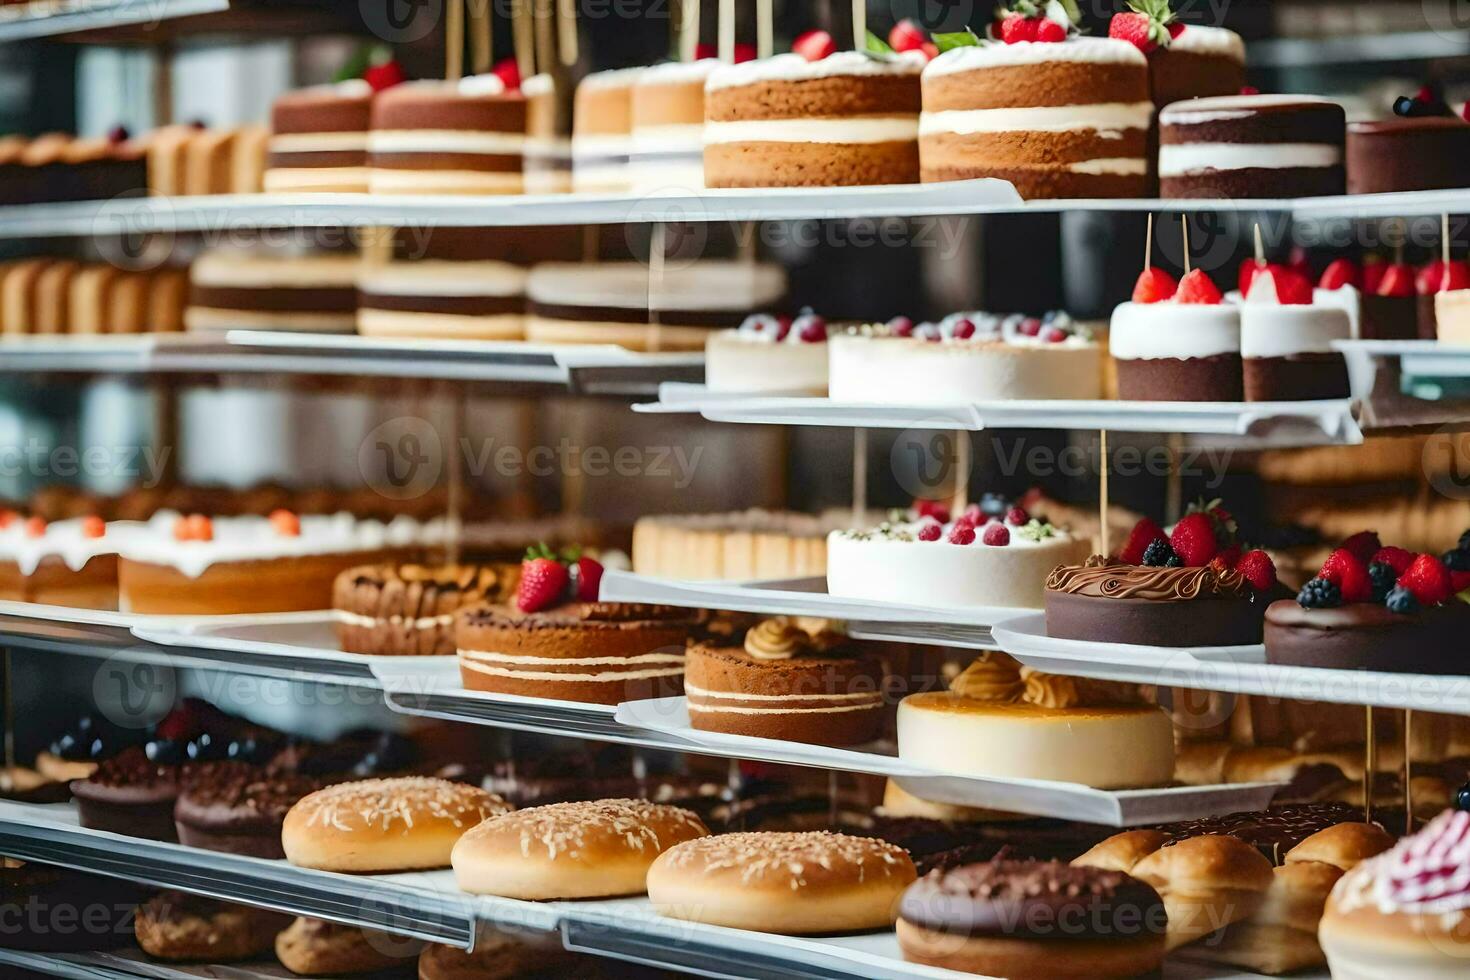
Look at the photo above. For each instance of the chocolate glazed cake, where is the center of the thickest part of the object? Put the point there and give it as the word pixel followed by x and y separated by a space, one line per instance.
pixel 1368 636
pixel 238 809
pixel 596 652
pixel 1246 146
pixel 1108 601
pixel 1414 153
pixel 408 610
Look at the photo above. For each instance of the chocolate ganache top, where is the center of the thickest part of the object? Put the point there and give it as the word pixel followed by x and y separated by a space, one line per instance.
pixel 1109 578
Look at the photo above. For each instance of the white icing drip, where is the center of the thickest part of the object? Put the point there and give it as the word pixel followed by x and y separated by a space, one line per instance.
pixel 64 540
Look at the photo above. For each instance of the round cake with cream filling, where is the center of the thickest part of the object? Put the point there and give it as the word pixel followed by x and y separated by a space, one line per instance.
pixel 602 131
pixel 1068 119
pixel 770 355
pixel 269 289
pixel 1243 146
pixel 463 137
pixel 667 120
pixel 62 563
pixel 319 139
pixel 444 299
pixel 847 119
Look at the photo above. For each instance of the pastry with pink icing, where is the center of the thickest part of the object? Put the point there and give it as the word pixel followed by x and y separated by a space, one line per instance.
pixel 1405 914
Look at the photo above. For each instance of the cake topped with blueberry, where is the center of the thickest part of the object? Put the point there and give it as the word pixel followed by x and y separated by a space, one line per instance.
pixel 1196 584
pixel 1377 608
pixel 966 357
pixel 992 553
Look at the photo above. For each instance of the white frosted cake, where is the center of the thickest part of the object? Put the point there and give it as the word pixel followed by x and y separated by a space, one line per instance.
pixel 973 561
pixel 66 563
pixel 966 358
pixel 769 355
pixel 1286 345
pixel 1176 351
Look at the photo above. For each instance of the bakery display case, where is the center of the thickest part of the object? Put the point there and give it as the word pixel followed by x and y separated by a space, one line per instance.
pixel 518 492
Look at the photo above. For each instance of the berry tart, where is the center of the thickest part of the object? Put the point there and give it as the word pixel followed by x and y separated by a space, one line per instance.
pixel 992 554
pixel 769 355
pixel 966 358
pixel 195 565
pixel 554 639
pixel 1286 340
pixel 62 563
pixel 1406 913
pixel 815 117
pixel 408 610
pixel 785 682
pixel 1192 586
pixel 1056 114
pixel 1377 608
pixel 1423 147
pixel 1177 341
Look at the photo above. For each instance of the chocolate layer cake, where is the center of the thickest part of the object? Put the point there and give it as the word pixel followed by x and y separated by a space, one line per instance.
pixel 1198 62
pixel 1408 154
pixel 462 137
pixel 408 610
pixel 1062 120
pixel 1108 601
pixel 242 289
pixel 1177 352
pixel 783 683
pixel 452 300
pixel 1369 636
pixel 847 119
pixel 319 139
pixel 600 652
pixel 1244 146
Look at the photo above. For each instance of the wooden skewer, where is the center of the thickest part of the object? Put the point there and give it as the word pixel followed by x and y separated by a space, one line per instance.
pixel 1408 771
pixel 961 498
pixel 1102 490
pixel 1260 248
pixel 1370 766
pixel 1184 224
pixel 727 31
pixel 541 15
pixel 481 47
pixel 689 30
pixel 765 30
pixel 1444 237
pixel 860 25
pixel 523 37
pixel 859 476
pixel 454 40
pixel 1148 245
pixel 566 33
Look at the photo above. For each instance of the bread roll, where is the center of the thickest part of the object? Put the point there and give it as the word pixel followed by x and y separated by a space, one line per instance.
pixel 594 849
pixel 1343 846
pixel 1281 935
pixel 376 825
pixel 1206 884
pixel 1122 852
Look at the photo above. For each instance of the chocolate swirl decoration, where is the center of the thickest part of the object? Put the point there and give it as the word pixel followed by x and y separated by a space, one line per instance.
pixel 777 638
pixel 995 678
pixel 1110 579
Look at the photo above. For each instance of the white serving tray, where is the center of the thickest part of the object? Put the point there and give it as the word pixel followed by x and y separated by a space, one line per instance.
pixel 1039 797
pixel 681 397
pixel 1238 670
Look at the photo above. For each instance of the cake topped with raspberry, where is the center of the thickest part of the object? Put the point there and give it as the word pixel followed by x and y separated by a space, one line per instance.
pixel 769 354
pixel 991 554
pixel 1378 608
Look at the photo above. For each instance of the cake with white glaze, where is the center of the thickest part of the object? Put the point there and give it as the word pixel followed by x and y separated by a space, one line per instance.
pixel 976 560
pixel 965 358
pixel 70 562
pixel 667 118
pixel 769 355
pixel 197 565
pixel 1179 345
pixel 1286 341
pixel 850 118
pixel 602 131
pixel 616 303
pixel 1245 146
pixel 1065 119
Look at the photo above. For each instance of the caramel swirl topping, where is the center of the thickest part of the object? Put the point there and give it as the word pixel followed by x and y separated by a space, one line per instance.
pixel 995 677
pixel 1058 691
pixel 777 638
pixel 1110 579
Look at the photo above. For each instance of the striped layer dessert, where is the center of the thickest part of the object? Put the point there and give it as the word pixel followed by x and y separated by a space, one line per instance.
pixel 1058 120
pixel 436 298
pixel 319 139
pixel 546 165
pixel 786 683
pixel 464 137
pixel 848 119
pixel 595 652
pixel 233 289
pixel 1244 146
pixel 602 131
pixel 668 126
pixel 615 303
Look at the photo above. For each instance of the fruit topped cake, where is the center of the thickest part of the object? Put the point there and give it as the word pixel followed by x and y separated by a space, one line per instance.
pixel 555 639
pixel 1195 585
pixel 1448 278
pixel 966 358
pixel 1185 61
pixel 1286 340
pixel 1056 114
pixel 1390 304
pixel 1177 342
pixel 63 563
pixel 1424 146
pixel 1377 608
pixel 991 554
pixel 816 117
pixel 770 355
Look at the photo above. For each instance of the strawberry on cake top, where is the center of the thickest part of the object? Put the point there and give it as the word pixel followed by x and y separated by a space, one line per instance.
pixel 1184 61
pixel 1177 341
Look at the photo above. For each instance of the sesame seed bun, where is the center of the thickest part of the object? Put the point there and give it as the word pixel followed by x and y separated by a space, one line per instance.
pixel 591 849
pixel 377 825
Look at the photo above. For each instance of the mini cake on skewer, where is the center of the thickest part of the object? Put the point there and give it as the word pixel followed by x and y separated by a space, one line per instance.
pixel 319 139
pixel 1177 343
pixel 848 118
pixel 464 137
pixel 1059 116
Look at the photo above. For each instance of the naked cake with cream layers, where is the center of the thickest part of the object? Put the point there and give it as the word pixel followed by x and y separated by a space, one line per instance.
pixel 1242 146
pixel 319 139
pixel 602 131
pixel 1062 119
pixel 667 111
pixel 464 137
pixel 850 118
pixel 272 289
